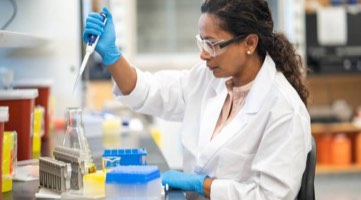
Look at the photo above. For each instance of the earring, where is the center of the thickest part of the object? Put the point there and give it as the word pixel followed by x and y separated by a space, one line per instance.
pixel 248 52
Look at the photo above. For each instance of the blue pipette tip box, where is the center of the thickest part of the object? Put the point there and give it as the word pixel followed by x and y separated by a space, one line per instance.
pixel 132 174
pixel 128 156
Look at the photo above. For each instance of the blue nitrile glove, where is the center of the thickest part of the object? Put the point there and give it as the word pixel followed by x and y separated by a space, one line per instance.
pixel 183 181
pixel 106 45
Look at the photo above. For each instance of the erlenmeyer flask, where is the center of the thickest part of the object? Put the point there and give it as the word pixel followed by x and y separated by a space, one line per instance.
pixel 75 137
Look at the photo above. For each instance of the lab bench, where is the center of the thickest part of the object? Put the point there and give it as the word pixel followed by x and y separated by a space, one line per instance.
pixel 27 190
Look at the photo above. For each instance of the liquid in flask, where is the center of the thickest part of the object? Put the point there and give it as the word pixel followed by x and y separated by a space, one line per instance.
pixel 75 137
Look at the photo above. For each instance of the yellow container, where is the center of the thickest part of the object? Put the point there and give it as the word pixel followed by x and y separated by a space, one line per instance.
pixel 94 184
pixel 9 160
pixel 38 130
pixel 157 137
pixel 111 133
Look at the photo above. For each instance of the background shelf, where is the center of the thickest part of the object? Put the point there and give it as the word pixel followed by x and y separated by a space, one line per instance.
pixel 319 128
pixel 330 131
pixel 329 169
pixel 10 39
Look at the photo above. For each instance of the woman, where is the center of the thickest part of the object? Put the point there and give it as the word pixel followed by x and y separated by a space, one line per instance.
pixel 246 130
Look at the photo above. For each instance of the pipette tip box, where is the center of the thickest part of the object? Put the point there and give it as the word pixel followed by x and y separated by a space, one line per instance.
pixel 133 182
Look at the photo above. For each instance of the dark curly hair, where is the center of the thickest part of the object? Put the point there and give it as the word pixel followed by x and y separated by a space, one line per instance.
pixel 243 17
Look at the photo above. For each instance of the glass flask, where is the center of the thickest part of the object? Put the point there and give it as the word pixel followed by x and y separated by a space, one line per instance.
pixel 75 137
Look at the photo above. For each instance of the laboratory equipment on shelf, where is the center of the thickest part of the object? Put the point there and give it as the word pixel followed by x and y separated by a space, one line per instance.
pixel 133 182
pixel 90 47
pixel 75 137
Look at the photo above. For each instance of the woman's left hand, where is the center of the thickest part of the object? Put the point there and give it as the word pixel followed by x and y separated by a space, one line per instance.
pixel 183 181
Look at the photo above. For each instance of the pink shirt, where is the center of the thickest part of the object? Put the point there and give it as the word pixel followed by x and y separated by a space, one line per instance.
pixel 233 104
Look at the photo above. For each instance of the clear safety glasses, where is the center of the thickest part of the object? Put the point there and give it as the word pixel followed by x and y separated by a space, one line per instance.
pixel 214 48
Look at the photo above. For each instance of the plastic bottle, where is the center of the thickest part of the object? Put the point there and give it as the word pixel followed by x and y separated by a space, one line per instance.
pixel 125 128
pixel 358 149
pixel 324 144
pixel 38 130
pixel 4 117
pixel 94 184
pixel 75 137
pixel 129 138
pixel 352 2
pixel 341 151
pixel 111 133
pixel 9 159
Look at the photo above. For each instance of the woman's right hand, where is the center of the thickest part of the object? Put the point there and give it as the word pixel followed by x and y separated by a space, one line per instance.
pixel 106 46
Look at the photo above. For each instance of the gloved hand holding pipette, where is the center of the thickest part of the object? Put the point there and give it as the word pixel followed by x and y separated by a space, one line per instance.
pixel 97 24
pixel 106 46
pixel 122 72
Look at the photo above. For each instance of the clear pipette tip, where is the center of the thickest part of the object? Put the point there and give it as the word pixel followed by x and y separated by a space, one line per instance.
pixel 89 50
pixel 81 70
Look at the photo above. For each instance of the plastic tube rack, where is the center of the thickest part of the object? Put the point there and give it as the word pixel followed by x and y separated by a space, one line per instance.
pixel 54 175
pixel 128 156
pixel 76 158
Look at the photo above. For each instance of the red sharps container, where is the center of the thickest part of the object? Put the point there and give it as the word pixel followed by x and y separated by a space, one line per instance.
pixel 4 116
pixel 21 107
pixel 44 89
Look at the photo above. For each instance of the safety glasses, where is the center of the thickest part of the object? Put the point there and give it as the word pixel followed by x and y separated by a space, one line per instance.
pixel 214 48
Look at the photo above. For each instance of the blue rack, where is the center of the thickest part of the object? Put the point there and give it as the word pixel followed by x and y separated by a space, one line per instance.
pixel 128 156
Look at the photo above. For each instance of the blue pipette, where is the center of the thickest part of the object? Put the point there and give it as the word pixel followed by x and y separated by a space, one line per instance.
pixel 90 47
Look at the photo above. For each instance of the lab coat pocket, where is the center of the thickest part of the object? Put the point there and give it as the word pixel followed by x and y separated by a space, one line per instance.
pixel 235 165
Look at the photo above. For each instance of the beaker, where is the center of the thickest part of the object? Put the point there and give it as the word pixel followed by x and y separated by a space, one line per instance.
pixel 110 162
pixel 6 78
pixel 75 137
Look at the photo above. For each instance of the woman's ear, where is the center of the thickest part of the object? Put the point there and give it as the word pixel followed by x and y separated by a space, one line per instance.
pixel 251 42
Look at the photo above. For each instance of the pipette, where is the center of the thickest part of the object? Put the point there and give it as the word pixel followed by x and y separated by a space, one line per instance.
pixel 92 43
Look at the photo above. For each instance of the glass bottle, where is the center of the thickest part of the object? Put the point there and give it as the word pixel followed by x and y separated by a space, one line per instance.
pixel 75 137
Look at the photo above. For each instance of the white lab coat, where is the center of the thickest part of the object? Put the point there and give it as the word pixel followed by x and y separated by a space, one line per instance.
pixel 260 154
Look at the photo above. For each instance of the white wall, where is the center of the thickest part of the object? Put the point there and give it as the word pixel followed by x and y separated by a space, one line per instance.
pixel 59 59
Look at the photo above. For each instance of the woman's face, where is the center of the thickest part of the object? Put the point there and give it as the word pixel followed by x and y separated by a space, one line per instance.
pixel 231 60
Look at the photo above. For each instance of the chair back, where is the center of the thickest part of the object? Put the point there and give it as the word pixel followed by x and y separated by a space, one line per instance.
pixel 307 191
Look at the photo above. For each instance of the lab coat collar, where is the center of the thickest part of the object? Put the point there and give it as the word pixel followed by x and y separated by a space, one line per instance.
pixel 261 86
pixel 212 108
